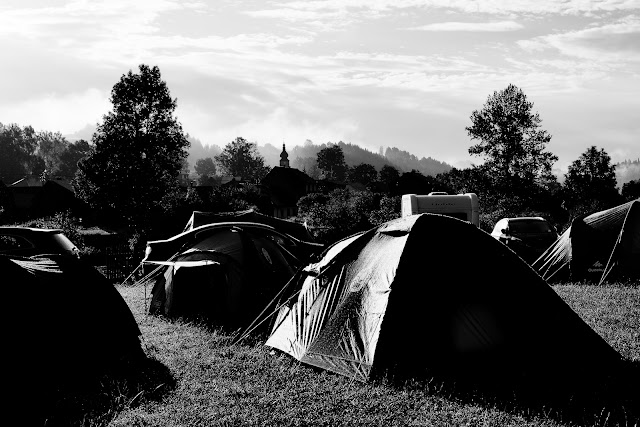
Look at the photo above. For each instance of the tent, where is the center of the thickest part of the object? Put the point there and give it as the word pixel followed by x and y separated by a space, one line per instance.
pixel 599 247
pixel 294 229
pixel 69 322
pixel 430 295
pixel 223 273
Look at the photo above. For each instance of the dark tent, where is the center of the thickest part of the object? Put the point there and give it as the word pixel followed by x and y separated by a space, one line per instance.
pixel 68 323
pixel 223 273
pixel 294 229
pixel 602 246
pixel 430 295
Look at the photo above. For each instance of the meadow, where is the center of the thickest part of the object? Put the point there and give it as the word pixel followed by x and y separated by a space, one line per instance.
pixel 196 377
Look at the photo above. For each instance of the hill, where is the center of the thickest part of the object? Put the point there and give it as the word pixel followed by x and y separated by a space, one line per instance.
pixel 303 156
pixel 198 151
pixel 626 171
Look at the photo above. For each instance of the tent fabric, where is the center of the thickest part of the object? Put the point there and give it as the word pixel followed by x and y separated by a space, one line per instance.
pixel 222 273
pixel 71 322
pixel 294 229
pixel 421 295
pixel 602 246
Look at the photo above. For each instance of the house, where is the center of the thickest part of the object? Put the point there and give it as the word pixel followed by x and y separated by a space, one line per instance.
pixel 33 198
pixel 285 186
pixel 232 181
pixel 183 175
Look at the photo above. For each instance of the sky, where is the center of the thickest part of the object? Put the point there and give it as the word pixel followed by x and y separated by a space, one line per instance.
pixel 377 73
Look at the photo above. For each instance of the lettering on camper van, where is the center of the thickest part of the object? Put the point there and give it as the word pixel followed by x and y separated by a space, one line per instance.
pixel 461 206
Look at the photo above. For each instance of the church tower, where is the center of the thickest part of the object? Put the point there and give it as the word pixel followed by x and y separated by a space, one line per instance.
pixel 284 158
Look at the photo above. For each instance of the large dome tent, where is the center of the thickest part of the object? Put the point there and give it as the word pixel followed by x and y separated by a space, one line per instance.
pixel 429 295
pixel 222 273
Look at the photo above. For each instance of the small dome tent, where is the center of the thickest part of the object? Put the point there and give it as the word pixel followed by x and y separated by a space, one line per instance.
pixel 223 273
pixel 430 295
pixel 70 324
pixel 600 247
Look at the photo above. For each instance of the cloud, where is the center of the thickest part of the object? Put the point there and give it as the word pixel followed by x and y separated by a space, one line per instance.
pixel 471 26
pixel 608 44
pixel 280 124
pixel 353 10
pixel 58 113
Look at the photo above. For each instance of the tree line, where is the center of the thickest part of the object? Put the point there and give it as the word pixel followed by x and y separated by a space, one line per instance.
pixel 130 169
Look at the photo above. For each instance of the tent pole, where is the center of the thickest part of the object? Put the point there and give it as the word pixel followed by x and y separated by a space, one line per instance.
pixel 132 273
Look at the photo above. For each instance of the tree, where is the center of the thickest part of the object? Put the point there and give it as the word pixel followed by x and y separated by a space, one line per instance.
pixel 363 173
pixel 631 190
pixel 591 178
pixel 51 146
pixel 331 162
pixel 70 157
pixel 241 158
pixel 18 147
pixel 389 176
pixel 511 141
pixel 138 152
pixel 415 182
pixel 206 169
pixel 390 208
pixel 308 165
pixel 337 214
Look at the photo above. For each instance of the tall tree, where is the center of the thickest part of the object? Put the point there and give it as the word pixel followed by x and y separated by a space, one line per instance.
pixel 389 176
pixel 631 190
pixel 592 177
pixel 241 158
pixel 206 169
pixel 138 151
pixel 51 146
pixel 18 146
pixel 511 141
pixel 414 182
pixel 331 162
pixel 363 173
pixel 70 157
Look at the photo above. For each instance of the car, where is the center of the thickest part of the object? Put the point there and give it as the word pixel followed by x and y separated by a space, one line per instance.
pixel 29 241
pixel 527 236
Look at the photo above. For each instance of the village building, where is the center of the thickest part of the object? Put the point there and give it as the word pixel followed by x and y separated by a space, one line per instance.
pixel 285 186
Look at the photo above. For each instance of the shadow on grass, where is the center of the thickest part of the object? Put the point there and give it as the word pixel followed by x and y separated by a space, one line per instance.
pixel 610 400
pixel 95 399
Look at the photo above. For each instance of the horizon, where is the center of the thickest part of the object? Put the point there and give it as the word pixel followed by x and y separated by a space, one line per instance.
pixel 404 74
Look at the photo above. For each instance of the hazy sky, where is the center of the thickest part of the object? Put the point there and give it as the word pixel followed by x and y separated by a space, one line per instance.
pixel 399 73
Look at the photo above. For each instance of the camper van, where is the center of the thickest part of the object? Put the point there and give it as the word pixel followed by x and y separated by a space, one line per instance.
pixel 461 206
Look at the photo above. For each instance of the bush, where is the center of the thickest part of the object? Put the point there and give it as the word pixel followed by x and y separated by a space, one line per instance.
pixel 69 225
pixel 342 213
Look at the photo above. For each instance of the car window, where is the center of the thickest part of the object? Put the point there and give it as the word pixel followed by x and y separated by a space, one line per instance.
pixel 10 243
pixel 529 226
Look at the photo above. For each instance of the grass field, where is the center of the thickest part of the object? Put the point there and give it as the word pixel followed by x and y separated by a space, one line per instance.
pixel 196 378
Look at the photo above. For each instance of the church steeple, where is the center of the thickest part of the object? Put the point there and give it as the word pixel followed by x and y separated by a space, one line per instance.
pixel 284 158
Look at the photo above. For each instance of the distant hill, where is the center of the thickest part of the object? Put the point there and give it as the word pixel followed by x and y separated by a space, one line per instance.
pixel 626 171
pixel 301 156
pixel 405 161
pixel 199 151
pixel 85 133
